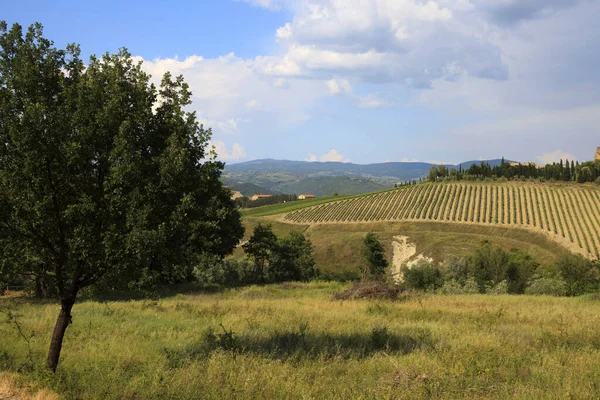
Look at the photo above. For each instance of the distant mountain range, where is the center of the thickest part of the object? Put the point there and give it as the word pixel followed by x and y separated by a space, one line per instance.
pixel 324 178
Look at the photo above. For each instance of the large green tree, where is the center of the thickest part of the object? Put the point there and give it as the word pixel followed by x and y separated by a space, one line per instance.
pixel 102 175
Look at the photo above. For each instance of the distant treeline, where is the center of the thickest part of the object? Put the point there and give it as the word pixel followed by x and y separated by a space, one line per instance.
pixel 569 171
pixel 245 202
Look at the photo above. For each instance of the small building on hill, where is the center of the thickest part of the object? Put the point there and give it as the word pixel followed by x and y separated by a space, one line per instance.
pixel 306 196
pixel 260 196
pixel 597 157
pixel 236 195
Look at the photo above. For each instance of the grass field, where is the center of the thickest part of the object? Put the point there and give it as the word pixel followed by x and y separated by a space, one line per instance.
pixel 292 341
pixel 567 213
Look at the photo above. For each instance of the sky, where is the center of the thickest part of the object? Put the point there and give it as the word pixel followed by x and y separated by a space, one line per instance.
pixel 362 81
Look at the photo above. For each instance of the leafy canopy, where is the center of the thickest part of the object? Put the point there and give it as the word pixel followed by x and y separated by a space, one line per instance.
pixel 101 173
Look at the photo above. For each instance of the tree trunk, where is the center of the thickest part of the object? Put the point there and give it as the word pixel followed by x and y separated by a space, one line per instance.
pixel 63 321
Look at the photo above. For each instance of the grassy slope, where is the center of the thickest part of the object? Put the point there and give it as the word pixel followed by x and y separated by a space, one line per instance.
pixel 499 347
pixel 337 246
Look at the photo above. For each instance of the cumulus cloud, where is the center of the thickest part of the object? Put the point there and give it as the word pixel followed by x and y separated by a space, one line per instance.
pixel 331 155
pixel 515 71
pixel 237 151
pixel 405 41
pixel 338 86
pixel 555 156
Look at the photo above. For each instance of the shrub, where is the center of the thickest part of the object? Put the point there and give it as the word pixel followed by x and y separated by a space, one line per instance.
pixel 451 287
pixel 579 274
pixel 456 269
pixel 471 286
pixel 423 276
pixel 547 287
pixel 501 288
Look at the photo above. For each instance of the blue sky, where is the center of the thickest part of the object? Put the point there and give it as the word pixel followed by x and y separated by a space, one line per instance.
pixel 363 80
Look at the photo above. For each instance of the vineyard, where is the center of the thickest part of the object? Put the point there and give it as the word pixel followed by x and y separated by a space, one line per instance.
pixel 569 214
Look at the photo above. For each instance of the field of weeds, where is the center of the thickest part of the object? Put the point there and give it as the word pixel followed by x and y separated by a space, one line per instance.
pixel 294 341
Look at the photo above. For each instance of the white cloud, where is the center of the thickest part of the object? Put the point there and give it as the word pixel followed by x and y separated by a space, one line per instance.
pixel 555 156
pixel 331 155
pixel 370 101
pixel 237 151
pixel 270 4
pixel 407 41
pixel 516 72
pixel 338 86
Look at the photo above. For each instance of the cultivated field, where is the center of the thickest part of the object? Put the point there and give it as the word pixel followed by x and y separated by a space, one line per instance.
pixel 292 341
pixel 569 214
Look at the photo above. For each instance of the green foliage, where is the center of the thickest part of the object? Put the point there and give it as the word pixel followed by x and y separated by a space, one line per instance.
pixel 245 202
pixel 422 276
pixel 98 178
pixel 433 174
pixel 471 286
pixel 279 260
pixel 373 255
pixel 501 288
pixel 293 260
pixel 451 287
pixel 547 287
pixel 102 175
pixel 580 275
pixel 260 248
pixel 490 266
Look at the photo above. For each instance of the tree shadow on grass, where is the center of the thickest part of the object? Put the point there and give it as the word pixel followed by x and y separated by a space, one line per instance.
pixel 301 345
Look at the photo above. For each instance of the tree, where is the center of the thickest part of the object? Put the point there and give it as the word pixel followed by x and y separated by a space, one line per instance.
pixel 433 174
pixel 293 259
pixel 422 276
pixel 373 255
pixel 102 175
pixel 443 171
pixel 261 246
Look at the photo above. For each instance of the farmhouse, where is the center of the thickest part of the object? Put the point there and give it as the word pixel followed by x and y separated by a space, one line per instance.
pixel 306 196
pixel 236 195
pixel 260 196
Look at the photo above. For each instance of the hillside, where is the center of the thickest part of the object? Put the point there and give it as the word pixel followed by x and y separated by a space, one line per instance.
pixel 569 214
pixel 248 189
pixel 329 185
pixel 327 178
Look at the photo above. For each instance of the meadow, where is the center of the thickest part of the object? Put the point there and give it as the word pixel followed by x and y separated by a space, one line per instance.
pixel 292 341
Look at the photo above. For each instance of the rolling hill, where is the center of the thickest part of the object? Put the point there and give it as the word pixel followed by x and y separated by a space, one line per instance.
pixel 568 214
pixel 327 178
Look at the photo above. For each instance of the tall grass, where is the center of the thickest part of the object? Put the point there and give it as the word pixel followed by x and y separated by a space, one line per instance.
pixel 292 341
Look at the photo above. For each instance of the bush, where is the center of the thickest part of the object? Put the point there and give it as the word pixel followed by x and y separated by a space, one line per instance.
pixel 501 288
pixel 451 287
pixel 547 287
pixel 579 274
pixel 471 286
pixel 423 276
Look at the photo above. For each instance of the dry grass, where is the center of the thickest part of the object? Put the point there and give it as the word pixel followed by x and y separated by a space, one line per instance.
pixel 292 341
pixel 12 391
